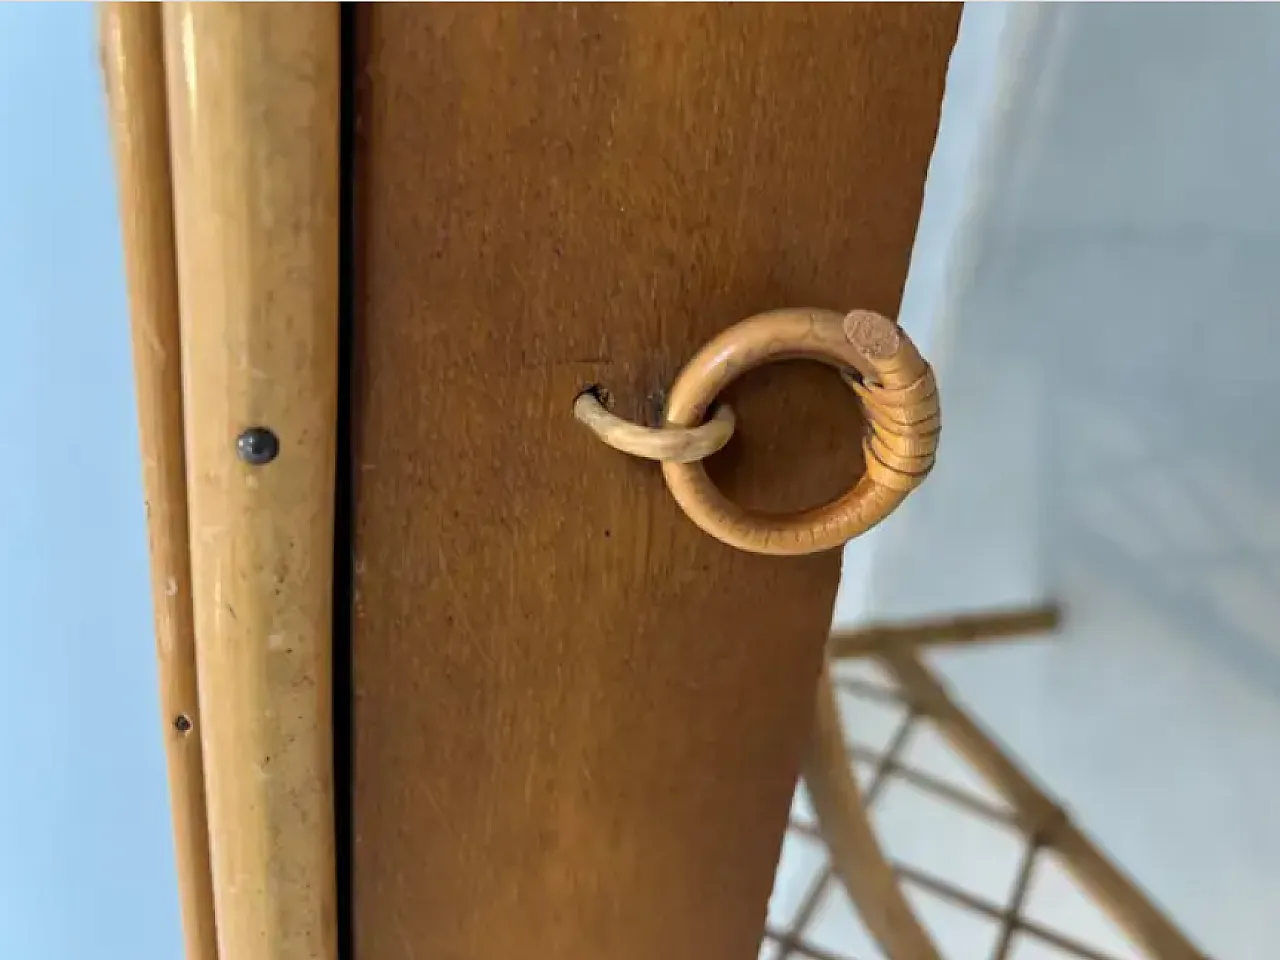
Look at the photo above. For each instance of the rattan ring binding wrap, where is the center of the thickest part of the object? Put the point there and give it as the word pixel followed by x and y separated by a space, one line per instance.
pixel 879 362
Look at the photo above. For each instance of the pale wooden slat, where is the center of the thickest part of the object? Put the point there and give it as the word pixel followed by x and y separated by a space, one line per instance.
pixel 855 853
pixel 133 62
pixel 985 627
pixel 790 939
pixel 254 112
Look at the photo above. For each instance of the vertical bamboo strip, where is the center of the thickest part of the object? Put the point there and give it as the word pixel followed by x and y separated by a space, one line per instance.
pixel 133 61
pixel 855 852
pixel 254 115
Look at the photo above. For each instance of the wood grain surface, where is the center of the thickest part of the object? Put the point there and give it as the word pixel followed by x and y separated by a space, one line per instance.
pixel 254 114
pixel 133 63
pixel 578 720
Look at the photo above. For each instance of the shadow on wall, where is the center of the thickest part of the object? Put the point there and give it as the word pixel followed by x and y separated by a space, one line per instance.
pixel 1108 348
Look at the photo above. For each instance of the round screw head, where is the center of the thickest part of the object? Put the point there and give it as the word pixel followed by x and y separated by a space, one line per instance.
pixel 257 446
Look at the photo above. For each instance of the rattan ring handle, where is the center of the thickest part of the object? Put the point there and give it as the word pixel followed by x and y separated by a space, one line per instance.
pixel 898 395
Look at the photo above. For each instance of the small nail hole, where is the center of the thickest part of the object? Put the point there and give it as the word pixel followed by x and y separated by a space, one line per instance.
pixel 600 393
pixel 182 723
pixel 655 405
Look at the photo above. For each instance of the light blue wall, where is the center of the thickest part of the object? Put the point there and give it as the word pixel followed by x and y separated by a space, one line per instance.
pixel 85 851
pixel 1108 350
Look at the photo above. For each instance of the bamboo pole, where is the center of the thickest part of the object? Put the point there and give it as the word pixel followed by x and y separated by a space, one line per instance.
pixel 855 853
pixel 254 115
pixel 133 62
pixel 879 776
pixel 983 627
pixel 1040 816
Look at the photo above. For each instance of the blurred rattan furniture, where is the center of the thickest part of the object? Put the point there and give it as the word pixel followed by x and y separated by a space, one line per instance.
pixel 874 884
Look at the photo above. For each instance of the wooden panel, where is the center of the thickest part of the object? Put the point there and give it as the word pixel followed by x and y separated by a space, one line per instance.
pixel 578 720
pixel 254 101
pixel 133 61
